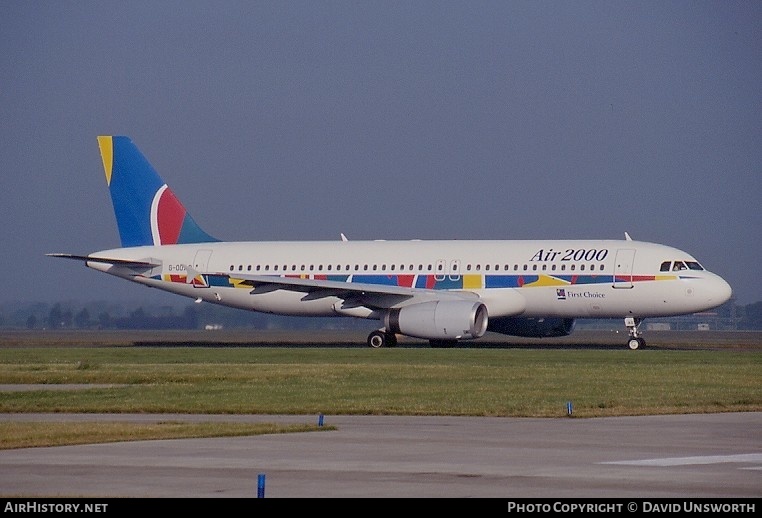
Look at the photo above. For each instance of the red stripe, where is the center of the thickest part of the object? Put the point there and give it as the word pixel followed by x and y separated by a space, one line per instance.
pixel 405 280
pixel 169 218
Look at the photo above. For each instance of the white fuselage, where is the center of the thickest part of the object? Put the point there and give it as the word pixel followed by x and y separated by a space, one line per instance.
pixel 564 278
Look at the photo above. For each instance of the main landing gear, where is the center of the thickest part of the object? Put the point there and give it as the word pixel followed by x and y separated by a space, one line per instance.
pixel 381 338
pixel 635 341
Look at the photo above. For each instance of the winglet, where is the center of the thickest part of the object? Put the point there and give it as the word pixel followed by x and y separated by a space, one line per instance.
pixel 147 211
pixel 627 236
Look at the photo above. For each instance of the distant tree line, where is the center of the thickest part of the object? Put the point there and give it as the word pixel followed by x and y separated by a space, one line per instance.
pixel 752 316
pixel 120 316
pixel 110 315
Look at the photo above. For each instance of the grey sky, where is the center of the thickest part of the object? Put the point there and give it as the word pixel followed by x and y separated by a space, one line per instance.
pixel 382 120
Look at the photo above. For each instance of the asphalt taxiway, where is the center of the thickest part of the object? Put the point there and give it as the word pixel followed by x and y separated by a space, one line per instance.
pixel 669 456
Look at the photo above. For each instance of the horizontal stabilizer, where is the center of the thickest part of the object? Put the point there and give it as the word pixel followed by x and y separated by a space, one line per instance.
pixel 106 260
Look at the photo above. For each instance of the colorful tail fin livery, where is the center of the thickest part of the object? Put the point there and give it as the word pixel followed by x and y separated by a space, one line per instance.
pixel 147 211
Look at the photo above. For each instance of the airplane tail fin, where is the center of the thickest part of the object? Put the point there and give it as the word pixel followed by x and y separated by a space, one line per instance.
pixel 147 211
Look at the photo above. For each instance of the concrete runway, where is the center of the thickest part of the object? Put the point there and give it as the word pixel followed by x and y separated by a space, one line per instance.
pixel 673 456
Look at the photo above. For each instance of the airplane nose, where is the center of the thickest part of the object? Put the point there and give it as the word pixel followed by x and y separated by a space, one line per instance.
pixel 718 290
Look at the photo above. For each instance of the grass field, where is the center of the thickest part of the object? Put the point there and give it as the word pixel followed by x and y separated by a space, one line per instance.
pixel 227 378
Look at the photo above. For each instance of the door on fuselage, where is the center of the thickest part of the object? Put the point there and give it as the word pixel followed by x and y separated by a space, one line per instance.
pixel 201 264
pixel 625 257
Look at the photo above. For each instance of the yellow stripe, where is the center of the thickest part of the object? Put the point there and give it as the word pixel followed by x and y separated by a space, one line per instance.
pixel 238 283
pixel 107 155
pixel 546 280
pixel 472 282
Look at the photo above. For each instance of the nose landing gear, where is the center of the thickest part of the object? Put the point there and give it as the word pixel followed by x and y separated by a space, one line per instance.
pixel 635 341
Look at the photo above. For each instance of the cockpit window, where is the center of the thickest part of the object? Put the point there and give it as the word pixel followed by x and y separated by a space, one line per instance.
pixel 676 266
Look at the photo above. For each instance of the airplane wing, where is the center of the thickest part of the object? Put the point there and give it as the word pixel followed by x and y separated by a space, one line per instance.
pixel 360 294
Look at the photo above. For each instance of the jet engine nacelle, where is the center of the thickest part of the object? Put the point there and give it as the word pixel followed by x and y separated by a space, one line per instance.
pixel 531 327
pixel 439 320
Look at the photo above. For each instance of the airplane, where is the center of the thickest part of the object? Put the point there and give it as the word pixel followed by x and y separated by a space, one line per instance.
pixel 443 291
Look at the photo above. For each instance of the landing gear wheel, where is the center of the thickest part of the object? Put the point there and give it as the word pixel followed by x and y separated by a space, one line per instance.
pixel 381 338
pixel 635 341
pixel 376 339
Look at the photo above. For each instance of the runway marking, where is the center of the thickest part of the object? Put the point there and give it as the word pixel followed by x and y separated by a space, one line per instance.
pixel 688 461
